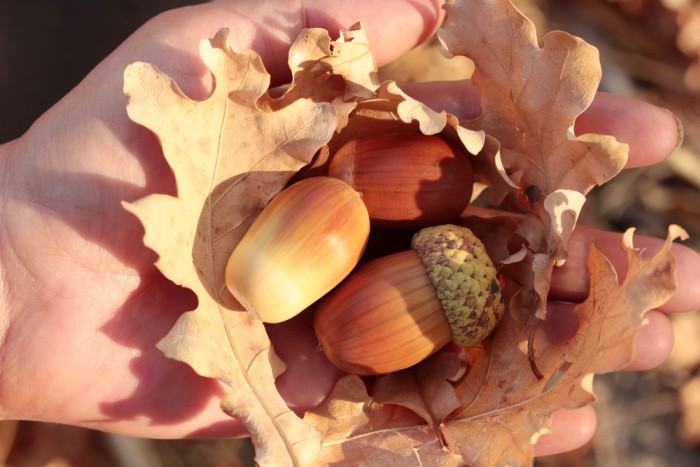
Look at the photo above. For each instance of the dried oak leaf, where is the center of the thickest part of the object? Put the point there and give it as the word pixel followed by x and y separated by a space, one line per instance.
pixel 499 408
pixel 229 157
pixel 510 406
pixel 530 98
pixel 360 431
pixel 341 71
pixel 423 388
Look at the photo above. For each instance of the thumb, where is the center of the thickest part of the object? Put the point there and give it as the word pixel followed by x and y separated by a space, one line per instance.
pixel 170 41
pixel 393 28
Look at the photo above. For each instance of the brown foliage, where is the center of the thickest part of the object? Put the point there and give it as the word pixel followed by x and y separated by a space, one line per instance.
pixel 236 149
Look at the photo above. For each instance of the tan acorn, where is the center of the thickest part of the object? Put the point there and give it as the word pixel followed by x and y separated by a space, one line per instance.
pixel 395 311
pixel 407 181
pixel 304 242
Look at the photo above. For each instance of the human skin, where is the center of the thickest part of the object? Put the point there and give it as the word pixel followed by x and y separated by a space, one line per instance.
pixel 81 302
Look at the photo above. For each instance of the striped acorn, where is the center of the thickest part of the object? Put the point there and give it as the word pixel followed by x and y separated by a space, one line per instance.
pixel 396 310
pixel 303 243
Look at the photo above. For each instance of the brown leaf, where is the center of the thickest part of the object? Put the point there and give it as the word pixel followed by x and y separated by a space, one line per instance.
pixel 341 71
pixel 344 73
pixel 423 389
pixel 233 151
pixel 509 407
pixel 530 97
pixel 648 284
pixel 358 431
pixel 228 157
pixel 392 110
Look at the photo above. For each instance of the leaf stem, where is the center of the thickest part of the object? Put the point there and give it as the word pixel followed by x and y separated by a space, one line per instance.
pixel 532 324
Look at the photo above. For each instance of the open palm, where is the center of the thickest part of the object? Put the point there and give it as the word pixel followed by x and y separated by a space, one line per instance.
pixel 82 304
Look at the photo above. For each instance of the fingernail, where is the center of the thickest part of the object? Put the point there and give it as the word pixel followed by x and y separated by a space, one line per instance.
pixel 680 130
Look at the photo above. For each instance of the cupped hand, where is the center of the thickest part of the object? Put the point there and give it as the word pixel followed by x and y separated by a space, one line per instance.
pixel 82 303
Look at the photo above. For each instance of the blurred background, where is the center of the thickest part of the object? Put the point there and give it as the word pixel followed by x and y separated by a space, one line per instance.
pixel 650 50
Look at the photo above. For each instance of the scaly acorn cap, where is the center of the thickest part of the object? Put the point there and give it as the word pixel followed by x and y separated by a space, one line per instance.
pixel 464 278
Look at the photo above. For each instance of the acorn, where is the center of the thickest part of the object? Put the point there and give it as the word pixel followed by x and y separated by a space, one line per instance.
pixel 303 243
pixel 396 310
pixel 407 181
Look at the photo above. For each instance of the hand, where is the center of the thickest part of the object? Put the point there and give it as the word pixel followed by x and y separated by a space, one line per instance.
pixel 652 134
pixel 82 304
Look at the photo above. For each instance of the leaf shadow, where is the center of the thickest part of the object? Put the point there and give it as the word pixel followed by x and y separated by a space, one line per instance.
pixel 91 205
pixel 96 216
pixel 430 195
pixel 168 391
pixel 226 215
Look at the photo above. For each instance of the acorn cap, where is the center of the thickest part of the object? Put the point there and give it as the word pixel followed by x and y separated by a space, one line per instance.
pixel 464 278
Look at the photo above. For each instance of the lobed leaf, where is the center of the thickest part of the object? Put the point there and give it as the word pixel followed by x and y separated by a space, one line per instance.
pixel 530 98
pixel 358 431
pixel 229 157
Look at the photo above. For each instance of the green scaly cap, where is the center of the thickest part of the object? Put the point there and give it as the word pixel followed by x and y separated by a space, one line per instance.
pixel 464 278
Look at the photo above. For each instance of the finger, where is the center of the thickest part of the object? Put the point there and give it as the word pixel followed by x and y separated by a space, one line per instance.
pixel 654 342
pixel 459 98
pixel 393 27
pixel 651 132
pixel 571 282
pixel 171 41
pixel 309 376
pixel 570 430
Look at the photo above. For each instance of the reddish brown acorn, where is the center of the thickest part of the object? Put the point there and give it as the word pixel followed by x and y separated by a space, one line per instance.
pixel 407 181
pixel 394 311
